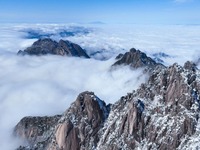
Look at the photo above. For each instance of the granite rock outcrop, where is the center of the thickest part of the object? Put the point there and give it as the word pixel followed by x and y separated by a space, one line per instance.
pixel 48 46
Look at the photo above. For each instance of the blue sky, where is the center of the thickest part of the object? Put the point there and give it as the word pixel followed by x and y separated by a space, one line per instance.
pixel 108 11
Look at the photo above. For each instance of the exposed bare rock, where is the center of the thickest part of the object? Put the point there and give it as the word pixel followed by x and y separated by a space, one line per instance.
pixel 136 59
pixel 67 136
pixel 84 119
pixel 49 46
pixel 76 129
pixel 36 130
pixel 162 113
pixel 190 66
pixel 119 56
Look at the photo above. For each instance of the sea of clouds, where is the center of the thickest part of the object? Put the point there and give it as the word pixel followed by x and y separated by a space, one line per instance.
pixel 47 85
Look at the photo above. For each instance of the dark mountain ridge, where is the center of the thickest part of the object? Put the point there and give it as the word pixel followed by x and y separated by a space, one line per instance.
pixel 48 46
pixel 135 58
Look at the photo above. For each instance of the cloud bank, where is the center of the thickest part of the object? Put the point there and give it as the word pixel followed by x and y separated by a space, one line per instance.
pixel 108 40
pixel 35 86
pixel 48 85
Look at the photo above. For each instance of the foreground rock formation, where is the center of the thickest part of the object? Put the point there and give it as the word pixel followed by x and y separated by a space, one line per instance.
pixel 49 46
pixel 162 113
pixel 77 128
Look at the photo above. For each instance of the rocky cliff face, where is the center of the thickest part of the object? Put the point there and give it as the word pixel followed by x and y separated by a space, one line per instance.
pixel 136 59
pixel 36 130
pixel 162 114
pixel 48 46
pixel 77 128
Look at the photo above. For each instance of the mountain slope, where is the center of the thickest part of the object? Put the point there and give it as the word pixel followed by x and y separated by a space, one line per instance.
pixel 77 128
pixel 162 113
pixel 49 46
pixel 136 59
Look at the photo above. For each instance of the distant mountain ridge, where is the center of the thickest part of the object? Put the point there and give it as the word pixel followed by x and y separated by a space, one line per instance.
pixel 69 31
pixel 158 57
pixel 49 46
pixel 137 59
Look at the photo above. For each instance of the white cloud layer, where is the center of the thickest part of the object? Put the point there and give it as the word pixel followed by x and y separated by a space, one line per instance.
pixel 106 41
pixel 47 85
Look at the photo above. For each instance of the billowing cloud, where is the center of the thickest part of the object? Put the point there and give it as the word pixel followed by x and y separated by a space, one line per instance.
pixel 106 41
pixel 48 85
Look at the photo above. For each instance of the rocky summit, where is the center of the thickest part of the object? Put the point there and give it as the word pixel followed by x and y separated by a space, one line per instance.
pixel 49 46
pixel 77 128
pixel 162 114
pixel 136 59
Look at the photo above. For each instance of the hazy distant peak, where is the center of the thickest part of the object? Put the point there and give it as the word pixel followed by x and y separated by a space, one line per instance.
pixel 49 46
pixel 136 59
